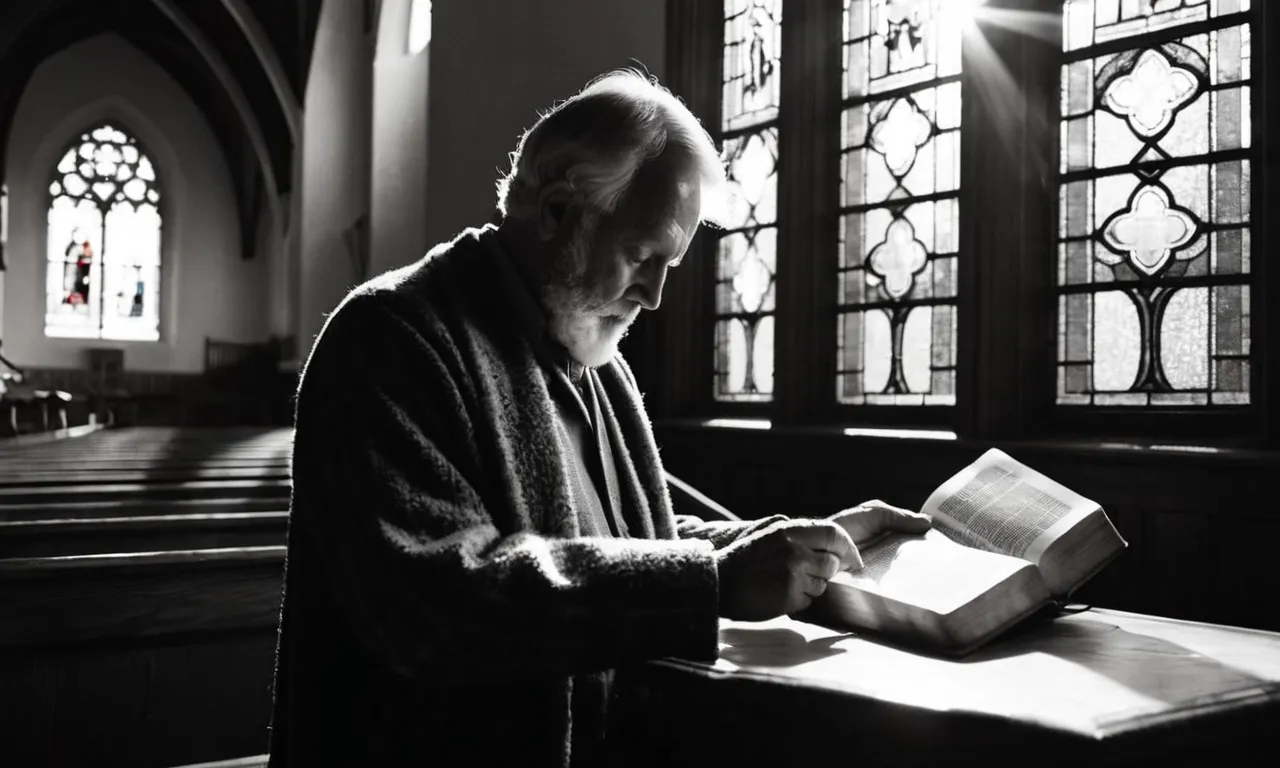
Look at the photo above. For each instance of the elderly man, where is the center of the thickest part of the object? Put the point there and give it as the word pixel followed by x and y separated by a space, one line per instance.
pixel 480 527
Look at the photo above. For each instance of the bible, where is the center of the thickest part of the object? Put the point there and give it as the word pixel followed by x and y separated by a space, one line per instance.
pixel 1007 543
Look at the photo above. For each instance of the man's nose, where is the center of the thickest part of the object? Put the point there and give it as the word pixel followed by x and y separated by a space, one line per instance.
pixel 651 281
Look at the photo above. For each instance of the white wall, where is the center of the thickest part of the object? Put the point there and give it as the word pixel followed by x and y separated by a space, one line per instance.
pixel 207 288
pixel 337 120
pixel 496 64
pixel 398 192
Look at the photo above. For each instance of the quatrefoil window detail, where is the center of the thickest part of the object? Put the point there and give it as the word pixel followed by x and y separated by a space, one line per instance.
pixel 900 134
pixel 752 282
pixel 898 259
pixel 1151 94
pixel 1149 232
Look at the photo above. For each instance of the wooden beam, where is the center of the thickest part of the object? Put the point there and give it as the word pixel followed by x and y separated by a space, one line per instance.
pixel 290 104
pixel 222 72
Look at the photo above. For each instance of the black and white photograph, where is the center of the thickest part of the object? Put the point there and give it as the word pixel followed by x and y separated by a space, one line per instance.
pixel 639 383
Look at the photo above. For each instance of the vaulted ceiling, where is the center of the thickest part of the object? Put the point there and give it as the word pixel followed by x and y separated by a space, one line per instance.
pixel 243 62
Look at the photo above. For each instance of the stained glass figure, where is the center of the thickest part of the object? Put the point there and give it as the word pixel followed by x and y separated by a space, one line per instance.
pixel 104 241
pixel 76 272
pixel 752 47
pixel 747 251
pixel 1154 231
pixel 899 189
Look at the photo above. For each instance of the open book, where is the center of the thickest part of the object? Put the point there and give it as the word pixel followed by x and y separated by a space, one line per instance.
pixel 1006 543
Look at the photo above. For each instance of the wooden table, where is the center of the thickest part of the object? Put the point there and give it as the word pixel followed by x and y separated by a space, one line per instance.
pixel 1100 687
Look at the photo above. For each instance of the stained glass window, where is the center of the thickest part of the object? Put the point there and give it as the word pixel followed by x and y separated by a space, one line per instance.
pixel 104 241
pixel 1154 236
pixel 899 197
pixel 747 251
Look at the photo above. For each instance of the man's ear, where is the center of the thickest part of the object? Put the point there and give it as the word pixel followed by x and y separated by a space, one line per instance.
pixel 555 209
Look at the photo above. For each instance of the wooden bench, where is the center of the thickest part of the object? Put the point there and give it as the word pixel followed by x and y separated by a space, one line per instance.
pixel 158 659
pixel 147 533
pixel 145 489
pixel 17 396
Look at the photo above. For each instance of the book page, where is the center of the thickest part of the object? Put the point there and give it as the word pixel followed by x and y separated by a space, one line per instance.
pixel 928 570
pixel 1001 505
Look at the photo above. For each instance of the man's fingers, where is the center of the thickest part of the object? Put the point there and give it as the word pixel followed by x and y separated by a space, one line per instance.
pixel 822 565
pixel 812 586
pixel 898 519
pixel 826 536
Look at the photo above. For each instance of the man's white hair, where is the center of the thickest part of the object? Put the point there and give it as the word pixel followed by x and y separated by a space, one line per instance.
pixel 597 140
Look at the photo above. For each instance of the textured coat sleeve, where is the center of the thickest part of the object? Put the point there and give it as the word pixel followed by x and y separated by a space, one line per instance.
pixel 389 491
pixel 722 533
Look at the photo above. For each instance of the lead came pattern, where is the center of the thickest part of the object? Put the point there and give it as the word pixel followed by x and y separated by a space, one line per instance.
pixel 1154 250
pixel 899 188
pixel 747 256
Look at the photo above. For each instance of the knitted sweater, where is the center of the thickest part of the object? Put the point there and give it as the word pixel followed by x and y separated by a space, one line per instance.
pixel 440 606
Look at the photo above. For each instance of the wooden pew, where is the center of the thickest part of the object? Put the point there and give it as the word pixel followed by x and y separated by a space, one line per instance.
pixel 140 570
pixel 145 533
pixel 145 490
pixel 155 659
pixel 128 506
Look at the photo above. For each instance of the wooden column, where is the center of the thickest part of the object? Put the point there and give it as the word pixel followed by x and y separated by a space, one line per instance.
pixel 675 344
pixel 808 199
pixel 1008 198
pixel 1265 293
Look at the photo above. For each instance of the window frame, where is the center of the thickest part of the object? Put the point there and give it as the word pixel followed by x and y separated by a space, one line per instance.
pixel 1006 381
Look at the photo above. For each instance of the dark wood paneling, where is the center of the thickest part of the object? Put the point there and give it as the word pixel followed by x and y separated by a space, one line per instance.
pixel 1242 565
pixel 148 660
pixel 1176 564
pixel 1119 585
pixel 156 704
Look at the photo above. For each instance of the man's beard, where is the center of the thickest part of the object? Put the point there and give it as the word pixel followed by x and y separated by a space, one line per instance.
pixel 577 319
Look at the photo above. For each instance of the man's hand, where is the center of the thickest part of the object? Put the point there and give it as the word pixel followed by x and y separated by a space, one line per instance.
pixel 872 518
pixel 781 569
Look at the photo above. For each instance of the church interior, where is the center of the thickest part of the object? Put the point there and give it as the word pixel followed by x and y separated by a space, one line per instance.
pixel 956 224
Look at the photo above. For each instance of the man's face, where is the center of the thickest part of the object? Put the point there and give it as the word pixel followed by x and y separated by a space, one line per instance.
pixel 616 265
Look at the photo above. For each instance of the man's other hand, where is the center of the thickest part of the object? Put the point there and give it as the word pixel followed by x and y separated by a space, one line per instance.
pixel 781 569
pixel 872 518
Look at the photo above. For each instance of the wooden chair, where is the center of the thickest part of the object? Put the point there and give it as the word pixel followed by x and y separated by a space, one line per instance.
pixel 20 396
pixel 239 383
pixel 111 399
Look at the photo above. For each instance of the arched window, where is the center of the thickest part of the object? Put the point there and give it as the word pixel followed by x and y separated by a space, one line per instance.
pixel 103 279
